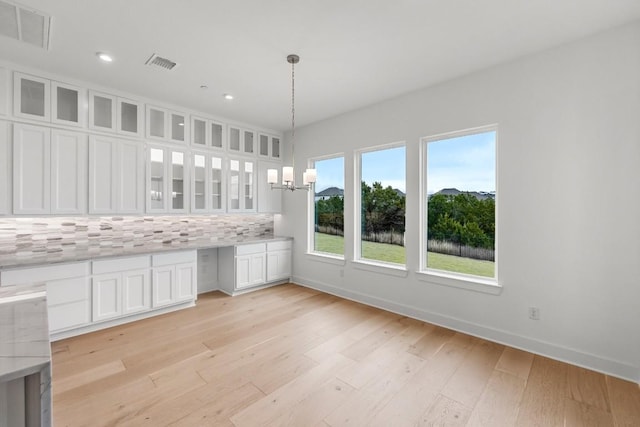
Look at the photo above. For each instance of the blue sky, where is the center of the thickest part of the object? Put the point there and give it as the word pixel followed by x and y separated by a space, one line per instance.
pixel 466 163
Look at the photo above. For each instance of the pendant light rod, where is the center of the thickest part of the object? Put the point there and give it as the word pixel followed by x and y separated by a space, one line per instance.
pixel 288 172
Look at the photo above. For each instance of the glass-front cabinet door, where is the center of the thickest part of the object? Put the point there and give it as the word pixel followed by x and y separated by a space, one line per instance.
pixel 67 104
pixel 178 127
pixel 102 111
pixel 242 185
pixel 156 181
pixel 199 183
pixel 129 117
pixel 31 97
pixel 156 122
pixel 167 180
pixel 178 182
pixel 207 183
pixel 207 133
pixel 217 134
pixel 217 189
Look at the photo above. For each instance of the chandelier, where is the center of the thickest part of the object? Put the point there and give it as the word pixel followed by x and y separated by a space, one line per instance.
pixel 288 172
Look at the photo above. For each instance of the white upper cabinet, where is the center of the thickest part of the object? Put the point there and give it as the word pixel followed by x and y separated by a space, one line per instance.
pixel 242 141
pixel 166 125
pixel 31 97
pixel 49 171
pixel 130 178
pixel 50 101
pixel 167 180
pixel 116 178
pixel 269 146
pixel 207 183
pixel 110 113
pixel 68 172
pixel 4 167
pixel 31 169
pixel 102 111
pixel 4 91
pixel 269 201
pixel 207 133
pixel 241 185
pixel 129 117
pixel 67 104
pixel 103 172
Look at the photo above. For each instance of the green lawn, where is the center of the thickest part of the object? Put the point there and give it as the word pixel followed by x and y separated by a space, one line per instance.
pixel 394 253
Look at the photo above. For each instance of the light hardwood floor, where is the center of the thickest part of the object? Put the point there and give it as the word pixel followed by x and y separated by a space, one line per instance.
pixel 294 356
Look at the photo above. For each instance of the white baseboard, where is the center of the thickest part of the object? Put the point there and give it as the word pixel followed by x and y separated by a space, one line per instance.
pixel 542 348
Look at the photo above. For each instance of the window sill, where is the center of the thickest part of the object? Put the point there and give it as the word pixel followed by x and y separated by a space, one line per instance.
pixel 326 258
pixel 485 286
pixel 381 267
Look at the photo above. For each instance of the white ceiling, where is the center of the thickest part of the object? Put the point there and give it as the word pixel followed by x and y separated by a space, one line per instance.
pixel 353 52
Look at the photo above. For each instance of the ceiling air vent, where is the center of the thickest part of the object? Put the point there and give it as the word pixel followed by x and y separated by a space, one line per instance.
pixel 25 24
pixel 158 61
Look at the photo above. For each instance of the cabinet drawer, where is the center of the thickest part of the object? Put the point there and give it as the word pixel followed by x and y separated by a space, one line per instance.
pixel 43 274
pixel 279 246
pixel 255 248
pixel 171 258
pixel 120 264
pixel 70 315
pixel 67 290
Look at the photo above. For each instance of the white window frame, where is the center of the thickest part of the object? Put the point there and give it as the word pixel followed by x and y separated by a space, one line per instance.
pixel 440 277
pixel 326 256
pixel 358 261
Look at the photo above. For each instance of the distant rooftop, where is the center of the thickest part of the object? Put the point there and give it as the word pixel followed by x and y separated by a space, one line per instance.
pixel 480 195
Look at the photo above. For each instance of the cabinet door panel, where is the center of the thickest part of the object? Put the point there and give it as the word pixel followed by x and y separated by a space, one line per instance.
pixel 102 175
pixel 163 286
pixel 269 201
pixel 67 104
pixel 129 115
pixel 107 296
pixel 136 291
pixel 31 170
pixel 130 178
pixel 68 172
pixel 4 91
pixel 4 167
pixel 258 269
pixel 185 281
pixel 31 97
pixel 102 111
pixel 278 265
pixel 243 271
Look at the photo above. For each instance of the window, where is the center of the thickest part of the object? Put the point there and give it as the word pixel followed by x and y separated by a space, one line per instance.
pixel 460 183
pixel 327 209
pixel 381 203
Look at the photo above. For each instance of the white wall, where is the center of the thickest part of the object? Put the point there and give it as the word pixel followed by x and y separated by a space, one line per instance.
pixel 568 205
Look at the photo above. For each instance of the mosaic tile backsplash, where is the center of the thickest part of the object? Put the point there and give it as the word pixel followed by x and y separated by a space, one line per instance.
pixel 33 236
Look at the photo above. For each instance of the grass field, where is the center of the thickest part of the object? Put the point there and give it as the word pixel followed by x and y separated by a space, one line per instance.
pixel 394 253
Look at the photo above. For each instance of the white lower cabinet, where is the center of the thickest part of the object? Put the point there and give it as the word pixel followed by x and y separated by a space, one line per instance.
pixel 278 260
pixel 68 292
pixel 244 267
pixel 120 286
pixel 251 270
pixel 174 277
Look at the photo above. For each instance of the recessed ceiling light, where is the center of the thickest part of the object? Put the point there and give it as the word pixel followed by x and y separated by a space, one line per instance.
pixel 104 57
pixel 228 96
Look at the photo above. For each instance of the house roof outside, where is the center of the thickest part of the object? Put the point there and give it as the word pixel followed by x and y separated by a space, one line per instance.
pixel 480 195
pixel 330 192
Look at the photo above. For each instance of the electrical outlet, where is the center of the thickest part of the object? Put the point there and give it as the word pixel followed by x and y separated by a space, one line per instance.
pixel 341 273
pixel 534 313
